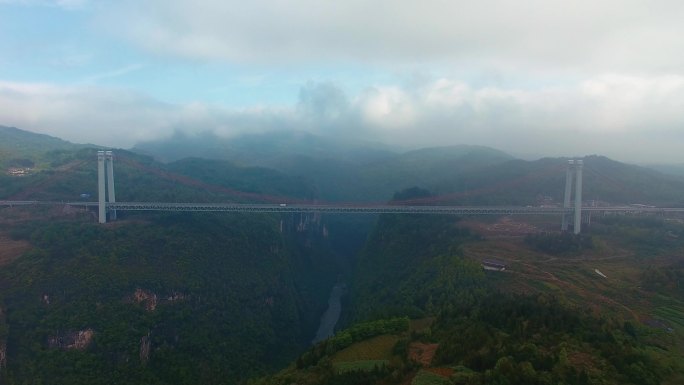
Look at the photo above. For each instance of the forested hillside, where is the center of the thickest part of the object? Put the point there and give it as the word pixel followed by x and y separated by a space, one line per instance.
pixel 158 298
pixel 340 170
pixel 179 299
pixel 225 298
pixel 19 148
pixel 139 178
pixel 462 174
pixel 474 327
pixel 305 167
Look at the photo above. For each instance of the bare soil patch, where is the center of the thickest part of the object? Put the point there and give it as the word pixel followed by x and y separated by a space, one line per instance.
pixel 444 372
pixel 422 353
pixel 504 226
pixel 11 249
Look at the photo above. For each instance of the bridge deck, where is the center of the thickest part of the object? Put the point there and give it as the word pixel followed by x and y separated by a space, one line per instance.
pixel 350 209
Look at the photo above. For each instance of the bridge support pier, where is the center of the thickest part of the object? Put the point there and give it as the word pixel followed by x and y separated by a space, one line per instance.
pixel 568 191
pixel 101 205
pixel 578 197
pixel 109 157
pixel 576 166
pixel 105 165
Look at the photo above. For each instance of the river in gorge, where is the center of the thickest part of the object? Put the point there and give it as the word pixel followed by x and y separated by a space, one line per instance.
pixel 329 319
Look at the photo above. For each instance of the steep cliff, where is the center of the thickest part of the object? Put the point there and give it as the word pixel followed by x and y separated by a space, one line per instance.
pixel 207 299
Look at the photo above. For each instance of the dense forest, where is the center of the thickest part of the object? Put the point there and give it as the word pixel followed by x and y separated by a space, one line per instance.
pixel 480 333
pixel 180 299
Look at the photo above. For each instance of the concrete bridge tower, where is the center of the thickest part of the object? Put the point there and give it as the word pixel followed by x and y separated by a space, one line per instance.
pixel 105 165
pixel 109 163
pixel 578 196
pixel 568 192
pixel 574 167
pixel 101 198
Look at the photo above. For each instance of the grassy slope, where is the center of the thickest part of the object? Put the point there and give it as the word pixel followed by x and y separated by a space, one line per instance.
pixel 16 144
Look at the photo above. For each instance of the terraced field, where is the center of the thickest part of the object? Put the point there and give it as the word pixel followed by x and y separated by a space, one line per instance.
pixel 366 355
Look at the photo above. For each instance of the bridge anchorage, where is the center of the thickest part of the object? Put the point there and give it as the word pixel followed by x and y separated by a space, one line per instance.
pixel 107 202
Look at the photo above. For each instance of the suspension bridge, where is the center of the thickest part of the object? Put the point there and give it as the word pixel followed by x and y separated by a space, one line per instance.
pixel 107 205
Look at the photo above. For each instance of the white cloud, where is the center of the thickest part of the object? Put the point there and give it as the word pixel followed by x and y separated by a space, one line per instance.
pixel 113 73
pixel 388 108
pixel 84 114
pixel 619 116
pixel 121 118
pixel 538 35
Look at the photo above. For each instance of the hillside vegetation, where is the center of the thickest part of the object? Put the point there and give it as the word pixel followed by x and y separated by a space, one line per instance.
pixel 160 298
pixel 215 298
pixel 482 328
pixel 19 148
pixel 157 298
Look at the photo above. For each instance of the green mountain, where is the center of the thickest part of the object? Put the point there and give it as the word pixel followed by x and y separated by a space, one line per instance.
pixel 340 170
pixel 169 299
pixel 547 319
pixel 606 181
pixel 139 179
pixel 19 148
pixel 174 298
pixel 158 298
pixel 461 174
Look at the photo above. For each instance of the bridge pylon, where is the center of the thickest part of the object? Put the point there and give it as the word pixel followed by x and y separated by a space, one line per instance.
pixel 574 167
pixel 578 197
pixel 568 192
pixel 105 183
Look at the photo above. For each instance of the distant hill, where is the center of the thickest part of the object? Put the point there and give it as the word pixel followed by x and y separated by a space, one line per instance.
pixel 672 169
pixel 429 167
pixel 519 182
pixel 341 170
pixel 139 179
pixel 20 148
pixel 301 165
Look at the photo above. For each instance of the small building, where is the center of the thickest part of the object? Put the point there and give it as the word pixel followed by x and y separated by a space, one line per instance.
pixel 494 265
pixel 16 171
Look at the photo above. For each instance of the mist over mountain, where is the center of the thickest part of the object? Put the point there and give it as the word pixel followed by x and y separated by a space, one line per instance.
pixel 369 172
pixel 265 149
pixel 342 170
pixel 672 169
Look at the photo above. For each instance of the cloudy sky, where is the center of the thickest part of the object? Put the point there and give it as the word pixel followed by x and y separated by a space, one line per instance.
pixel 538 77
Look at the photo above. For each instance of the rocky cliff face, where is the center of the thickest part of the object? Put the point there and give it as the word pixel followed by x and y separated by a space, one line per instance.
pixel 145 345
pixel 3 355
pixel 150 300
pixel 147 298
pixel 3 342
pixel 309 221
pixel 77 340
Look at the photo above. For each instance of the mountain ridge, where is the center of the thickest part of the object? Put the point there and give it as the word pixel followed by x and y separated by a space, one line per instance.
pixel 469 174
